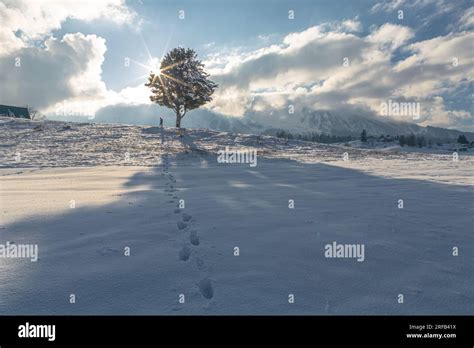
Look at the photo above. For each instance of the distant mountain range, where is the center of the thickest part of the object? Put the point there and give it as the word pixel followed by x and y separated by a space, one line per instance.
pixel 352 124
pixel 342 123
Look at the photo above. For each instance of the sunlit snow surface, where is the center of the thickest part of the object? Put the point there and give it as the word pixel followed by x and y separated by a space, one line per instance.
pixel 125 186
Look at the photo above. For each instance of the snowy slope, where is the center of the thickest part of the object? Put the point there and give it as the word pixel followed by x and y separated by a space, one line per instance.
pixel 135 203
pixel 342 123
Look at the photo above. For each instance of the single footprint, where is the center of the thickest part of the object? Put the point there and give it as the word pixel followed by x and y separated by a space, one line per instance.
pixel 194 238
pixel 200 263
pixel 184 253
pixel 186 217
pixel 205 287
pixel 181 225
pixel 176 211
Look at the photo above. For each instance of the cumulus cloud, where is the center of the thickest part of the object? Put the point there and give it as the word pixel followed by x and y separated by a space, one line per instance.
pixel 352 25
pixel 56 74
pixel 64 68
pixel 307 57
pixel 391 36
pixel 23 21
pixel 436 66
pixel 327 67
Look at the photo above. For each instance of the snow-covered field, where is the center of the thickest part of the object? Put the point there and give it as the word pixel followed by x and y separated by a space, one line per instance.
pixel 85 193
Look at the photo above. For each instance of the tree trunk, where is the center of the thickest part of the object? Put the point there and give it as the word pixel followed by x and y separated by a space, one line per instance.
pixel 178 120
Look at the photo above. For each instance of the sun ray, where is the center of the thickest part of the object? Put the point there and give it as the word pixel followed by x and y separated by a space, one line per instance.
pixel 145 66
pixel 176 80
pixel 164 87
pixel 146 47
pixel 152 66
pixel 141 77
pixel 172 65
pixel 165 49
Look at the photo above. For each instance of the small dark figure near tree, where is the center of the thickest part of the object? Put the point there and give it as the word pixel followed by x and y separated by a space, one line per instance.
pixel 363 136
pixel 181 84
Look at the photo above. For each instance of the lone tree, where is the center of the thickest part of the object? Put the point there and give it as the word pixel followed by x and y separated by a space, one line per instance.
pixel 181 83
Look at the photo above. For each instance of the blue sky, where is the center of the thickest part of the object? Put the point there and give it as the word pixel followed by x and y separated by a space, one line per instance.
pixel 262 59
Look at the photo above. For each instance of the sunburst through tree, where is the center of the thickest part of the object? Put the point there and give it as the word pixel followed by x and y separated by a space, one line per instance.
pixel 181 83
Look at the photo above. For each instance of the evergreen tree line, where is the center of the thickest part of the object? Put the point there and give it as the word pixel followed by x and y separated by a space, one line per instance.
pixel 411 140
pixel 315 137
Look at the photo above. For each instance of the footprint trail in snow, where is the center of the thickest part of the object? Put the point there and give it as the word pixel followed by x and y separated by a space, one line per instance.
pixel 186 225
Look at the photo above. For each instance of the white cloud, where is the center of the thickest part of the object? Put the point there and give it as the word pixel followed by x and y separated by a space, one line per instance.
pixel 425 11
pixel 307 69
pixel 62 75
pixel 23 21
pixel 436 114
pixel 467 19
pixel 351 25
pixel 231 101
pixel 391 36
pixel 392 5
pixel 64 68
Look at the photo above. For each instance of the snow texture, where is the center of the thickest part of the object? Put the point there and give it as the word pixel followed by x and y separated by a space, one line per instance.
pixel 127 189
